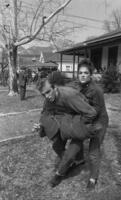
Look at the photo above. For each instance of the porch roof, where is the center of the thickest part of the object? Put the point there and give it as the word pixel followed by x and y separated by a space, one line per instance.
pixel 105 39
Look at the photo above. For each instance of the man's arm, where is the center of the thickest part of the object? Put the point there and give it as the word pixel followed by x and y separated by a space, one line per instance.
pixel 38 127
pixel 77 103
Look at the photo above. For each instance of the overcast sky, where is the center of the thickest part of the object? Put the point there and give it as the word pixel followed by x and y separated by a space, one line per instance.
pixel 94 9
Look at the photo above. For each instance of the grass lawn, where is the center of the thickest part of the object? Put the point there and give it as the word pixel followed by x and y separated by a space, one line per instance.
pixel 19 124
pixel 14 104
pixel 27 163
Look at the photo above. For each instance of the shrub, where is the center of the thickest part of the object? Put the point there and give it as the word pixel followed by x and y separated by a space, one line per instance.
pixel 111 80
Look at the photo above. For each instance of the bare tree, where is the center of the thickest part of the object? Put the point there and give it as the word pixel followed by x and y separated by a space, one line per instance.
pixel 115 21
pixel 22 22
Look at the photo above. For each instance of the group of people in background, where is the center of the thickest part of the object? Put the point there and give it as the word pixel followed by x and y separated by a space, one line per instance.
pixel 73 111
pixel 26 76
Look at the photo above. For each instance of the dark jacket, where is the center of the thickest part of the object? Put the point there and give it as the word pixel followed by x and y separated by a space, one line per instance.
pixel 95 97
pixel 66 114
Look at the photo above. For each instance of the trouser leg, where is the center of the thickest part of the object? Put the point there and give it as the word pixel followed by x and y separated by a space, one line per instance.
pixel 58 145
pixel 22 93
pixel 69 156
pixel 94 157
pixel 95 153
pixel 80 154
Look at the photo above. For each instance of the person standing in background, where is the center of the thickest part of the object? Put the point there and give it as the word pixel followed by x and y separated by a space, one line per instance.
pixel 22 82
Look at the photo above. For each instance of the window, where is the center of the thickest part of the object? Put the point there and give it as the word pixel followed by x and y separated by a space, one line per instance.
pixel 68 68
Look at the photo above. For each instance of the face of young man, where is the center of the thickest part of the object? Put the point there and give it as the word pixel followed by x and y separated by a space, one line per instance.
pixel 84 74
pixel 48 92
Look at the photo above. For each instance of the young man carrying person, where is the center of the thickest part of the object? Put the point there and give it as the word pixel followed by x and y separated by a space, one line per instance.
pixel 66 115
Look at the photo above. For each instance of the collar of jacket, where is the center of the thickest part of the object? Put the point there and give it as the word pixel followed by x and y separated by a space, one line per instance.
pixel 84 86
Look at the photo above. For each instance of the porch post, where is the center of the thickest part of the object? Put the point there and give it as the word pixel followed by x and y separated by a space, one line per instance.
pixel 77 65
pixel 73 65
pixel 61 59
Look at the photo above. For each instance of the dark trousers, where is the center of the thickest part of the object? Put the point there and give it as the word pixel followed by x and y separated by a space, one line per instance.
pixel 22 92
pixel 68 155
pixel 95 153
pixel 75 152
pixel 59 145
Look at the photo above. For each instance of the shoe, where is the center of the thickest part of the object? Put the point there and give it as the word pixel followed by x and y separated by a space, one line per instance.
pixel 56 179
pixel 91 184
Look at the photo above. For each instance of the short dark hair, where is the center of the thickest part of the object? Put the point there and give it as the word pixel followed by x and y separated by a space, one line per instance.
pixel 57 78
pixel 88 63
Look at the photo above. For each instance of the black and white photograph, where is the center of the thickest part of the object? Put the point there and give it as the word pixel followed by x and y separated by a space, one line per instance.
pixel 60 100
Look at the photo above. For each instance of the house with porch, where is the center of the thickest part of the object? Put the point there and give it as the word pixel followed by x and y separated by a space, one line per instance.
pixel 104 51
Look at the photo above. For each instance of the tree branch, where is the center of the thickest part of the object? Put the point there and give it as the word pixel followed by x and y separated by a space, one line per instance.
pixel 32 37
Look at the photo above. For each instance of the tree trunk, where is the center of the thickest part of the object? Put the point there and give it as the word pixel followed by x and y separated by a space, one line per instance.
pixel 12 64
